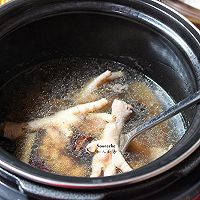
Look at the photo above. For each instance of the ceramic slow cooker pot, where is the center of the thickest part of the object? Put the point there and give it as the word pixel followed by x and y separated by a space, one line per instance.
pixel 163 42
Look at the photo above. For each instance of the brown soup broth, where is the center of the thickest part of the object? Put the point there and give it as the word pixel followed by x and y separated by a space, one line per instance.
pixel 52 86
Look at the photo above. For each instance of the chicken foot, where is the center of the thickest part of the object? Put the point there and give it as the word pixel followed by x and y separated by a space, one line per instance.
pixel 108 156
pixel 87 92
pixel 62 120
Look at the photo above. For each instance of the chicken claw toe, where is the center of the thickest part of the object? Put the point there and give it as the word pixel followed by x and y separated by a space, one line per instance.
pixel 110 170
pixel 120 162
pixel 96 167
pixel 91 147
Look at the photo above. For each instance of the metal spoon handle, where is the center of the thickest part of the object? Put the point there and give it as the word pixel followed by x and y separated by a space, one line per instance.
pixel 172 111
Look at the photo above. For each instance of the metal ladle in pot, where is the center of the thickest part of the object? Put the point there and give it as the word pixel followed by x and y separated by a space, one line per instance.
pixel 172 111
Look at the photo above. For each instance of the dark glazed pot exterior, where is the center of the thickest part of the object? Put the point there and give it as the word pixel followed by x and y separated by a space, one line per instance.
pixel 172 43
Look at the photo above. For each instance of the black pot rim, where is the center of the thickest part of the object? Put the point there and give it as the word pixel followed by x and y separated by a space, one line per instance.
pixel 120 9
